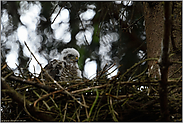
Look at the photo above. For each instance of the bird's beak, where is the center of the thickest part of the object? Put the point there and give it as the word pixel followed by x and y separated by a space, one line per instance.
pixel 76 60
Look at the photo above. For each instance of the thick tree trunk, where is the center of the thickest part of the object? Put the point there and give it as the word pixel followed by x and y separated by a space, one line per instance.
pixel 176 40
pixel 161 33
pixel 154 21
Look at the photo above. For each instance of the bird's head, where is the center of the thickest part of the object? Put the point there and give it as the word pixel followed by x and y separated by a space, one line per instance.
pixel 70 55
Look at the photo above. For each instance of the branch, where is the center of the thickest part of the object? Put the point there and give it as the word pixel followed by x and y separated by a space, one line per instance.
pixel 56 15
pixel 136 64
pixel 24 102
pixel 164 63
pixel 47 88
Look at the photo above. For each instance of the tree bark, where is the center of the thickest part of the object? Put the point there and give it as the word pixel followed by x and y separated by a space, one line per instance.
pixel 154 20
pixel 164 63
pixel 161 33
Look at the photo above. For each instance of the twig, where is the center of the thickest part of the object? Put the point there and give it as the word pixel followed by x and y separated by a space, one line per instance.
pixel 91 109
pixel 65 112
pixel 71 95
pixel 109 67
pixel 111 107
pixel 83 98
pixel 175 62
pixel 179 79
pixel 56 16
pixel 43 100
pixel 120 96
pixel 25 109
pixel 75 113
pixel 84 32
pixel 88 88
pixel 13 94
pixel 175 72
pixel 113 111
pixel 114 69
pixel 18 115
pixel 57 13
pixel 7 76
pixel 46 95
pixel 136 64
pixel 22 101
pixel 20 70
pixel 4 66
pixel 51 99
pixel 78 113
pixel 100 109
pixel 101 72
pixel 53 10
pixel 33 54
pixel 79 84
pixel 32 83
pixel 133 23
pixel 137 76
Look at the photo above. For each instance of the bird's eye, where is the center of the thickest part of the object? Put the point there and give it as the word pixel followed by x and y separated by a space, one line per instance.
pixel 70 55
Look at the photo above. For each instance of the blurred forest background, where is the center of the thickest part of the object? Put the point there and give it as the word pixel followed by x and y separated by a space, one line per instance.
pixel 102 32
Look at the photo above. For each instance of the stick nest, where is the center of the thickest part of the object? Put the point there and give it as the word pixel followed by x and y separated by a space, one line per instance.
pixel 26 98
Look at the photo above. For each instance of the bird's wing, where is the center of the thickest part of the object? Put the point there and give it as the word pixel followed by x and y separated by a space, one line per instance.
pixel 53 68
pixel 61 71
